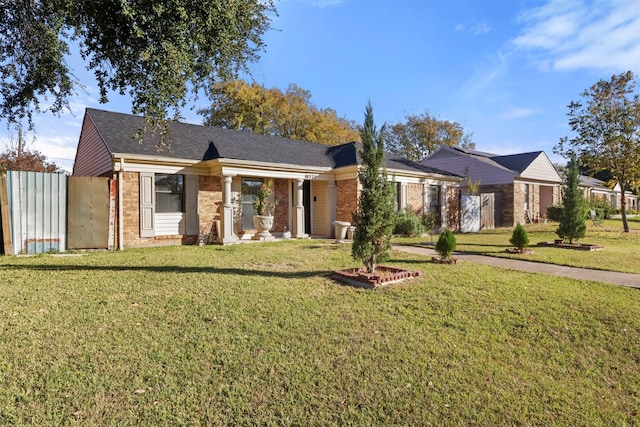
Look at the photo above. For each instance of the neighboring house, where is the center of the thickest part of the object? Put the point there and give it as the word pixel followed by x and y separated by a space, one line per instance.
pixel 519 186
pixel 202 183
pixel 594 188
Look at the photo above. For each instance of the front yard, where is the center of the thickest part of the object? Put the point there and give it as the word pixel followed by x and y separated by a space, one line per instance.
pixel 621 250
pixel 260 335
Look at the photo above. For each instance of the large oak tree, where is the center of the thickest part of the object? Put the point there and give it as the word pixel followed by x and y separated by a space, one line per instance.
pixel 158 52
pixel 290 114
pixel 420 134
pixel 606 122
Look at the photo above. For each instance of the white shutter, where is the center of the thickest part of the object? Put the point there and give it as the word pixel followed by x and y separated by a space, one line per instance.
pixel 147 199
pixel 191 196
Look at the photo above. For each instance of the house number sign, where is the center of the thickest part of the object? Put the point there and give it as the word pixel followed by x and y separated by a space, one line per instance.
pixel 309 177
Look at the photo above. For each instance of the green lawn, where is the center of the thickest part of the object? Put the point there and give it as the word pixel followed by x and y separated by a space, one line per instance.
pixel 260 335
pixel 621 250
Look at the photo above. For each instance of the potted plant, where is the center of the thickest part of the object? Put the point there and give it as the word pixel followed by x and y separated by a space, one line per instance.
pixel 264 206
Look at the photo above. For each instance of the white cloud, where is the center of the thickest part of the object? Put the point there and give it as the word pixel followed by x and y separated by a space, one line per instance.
pixel 485 75
pixel 517 113
pixel 480 28
pixel 460 27
pixel 327 3
pixel 582 34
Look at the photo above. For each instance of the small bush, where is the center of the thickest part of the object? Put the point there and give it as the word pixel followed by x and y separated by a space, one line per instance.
pixel 446 244
pixel 554 212
pixel 519 238
pixel 431 221
pixel 408 224
pixel 602 207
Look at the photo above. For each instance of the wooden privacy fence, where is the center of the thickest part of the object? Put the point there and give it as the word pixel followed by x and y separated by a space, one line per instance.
pixel 48 212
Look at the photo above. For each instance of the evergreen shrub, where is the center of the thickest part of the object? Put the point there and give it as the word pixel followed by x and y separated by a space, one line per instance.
pixel 446 244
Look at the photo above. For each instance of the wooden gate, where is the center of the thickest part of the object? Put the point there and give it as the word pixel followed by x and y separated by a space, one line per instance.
pixel 88 212
pixel 487 211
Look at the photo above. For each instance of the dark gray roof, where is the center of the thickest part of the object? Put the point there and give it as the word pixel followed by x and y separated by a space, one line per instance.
pixel 199 142
pixel 589 181
pixel 514 162
pixel 517 162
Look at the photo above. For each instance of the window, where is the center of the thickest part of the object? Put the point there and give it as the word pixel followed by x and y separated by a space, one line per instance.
pixel 169 193
pixel 250 188
pixel 434 199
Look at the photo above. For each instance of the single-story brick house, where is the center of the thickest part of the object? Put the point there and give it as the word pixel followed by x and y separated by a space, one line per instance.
pixel 204 179
pixel 593 188
pixel 523 185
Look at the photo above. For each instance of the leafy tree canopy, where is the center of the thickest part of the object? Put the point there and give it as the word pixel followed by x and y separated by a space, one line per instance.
pixel 606 122
pixel 155 51
pixel 253 108
pixel 421 134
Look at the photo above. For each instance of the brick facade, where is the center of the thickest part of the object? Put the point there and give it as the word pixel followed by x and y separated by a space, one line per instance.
pixel 281 214
pixel 453 208
pixel 415 198
pixel 209 202
pixel 347 195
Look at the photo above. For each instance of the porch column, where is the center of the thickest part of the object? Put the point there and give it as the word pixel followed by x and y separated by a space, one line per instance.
pixel 332 197
pixel 403 198
pixel 443 205
pixel 226 219
pixel 425 198
pixel 298 218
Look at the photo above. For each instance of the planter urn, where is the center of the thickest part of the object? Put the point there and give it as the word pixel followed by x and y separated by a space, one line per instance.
pixel 262 224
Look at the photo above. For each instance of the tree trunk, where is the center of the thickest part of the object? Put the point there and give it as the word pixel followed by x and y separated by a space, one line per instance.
pixel 623 206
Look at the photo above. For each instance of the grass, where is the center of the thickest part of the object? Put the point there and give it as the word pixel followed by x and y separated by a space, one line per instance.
pixel 621 250
pixel 260 335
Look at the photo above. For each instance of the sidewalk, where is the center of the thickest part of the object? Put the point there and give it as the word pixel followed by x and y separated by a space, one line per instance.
pixel 611 277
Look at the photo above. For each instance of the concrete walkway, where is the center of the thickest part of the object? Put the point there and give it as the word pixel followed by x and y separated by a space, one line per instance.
pixel 611 277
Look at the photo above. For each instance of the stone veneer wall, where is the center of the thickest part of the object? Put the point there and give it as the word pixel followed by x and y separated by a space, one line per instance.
pixel 415 198
pixel 209 202
pixel 347 195
pixel 281 215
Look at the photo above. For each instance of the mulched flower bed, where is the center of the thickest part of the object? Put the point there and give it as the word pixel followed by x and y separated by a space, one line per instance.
pixel 576 246
pixel 383 275
pixel 439 260
pixel 517 251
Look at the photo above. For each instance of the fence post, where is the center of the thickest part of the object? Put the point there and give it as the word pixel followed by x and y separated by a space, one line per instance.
pixel 5 217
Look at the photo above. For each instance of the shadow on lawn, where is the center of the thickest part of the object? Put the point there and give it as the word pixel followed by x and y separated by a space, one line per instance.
pixel 177 269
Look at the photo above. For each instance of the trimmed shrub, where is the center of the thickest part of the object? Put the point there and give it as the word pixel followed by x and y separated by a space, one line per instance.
pixel 519 238
pixel 554 212
pixel 408 224
pixel 446 244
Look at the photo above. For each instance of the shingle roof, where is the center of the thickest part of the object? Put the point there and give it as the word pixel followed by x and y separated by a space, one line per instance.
pixel 589 181
pixel 198 142
pixel 514 162
pixel 517 162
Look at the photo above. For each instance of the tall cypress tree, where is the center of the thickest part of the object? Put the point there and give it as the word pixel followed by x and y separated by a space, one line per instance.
pixel 374 218
pixel 573 217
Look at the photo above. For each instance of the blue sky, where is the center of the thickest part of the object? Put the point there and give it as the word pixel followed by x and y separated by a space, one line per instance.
pixel 504 69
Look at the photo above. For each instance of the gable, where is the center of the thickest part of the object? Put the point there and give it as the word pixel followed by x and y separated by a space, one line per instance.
pixel 92 155
pixel 541 169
